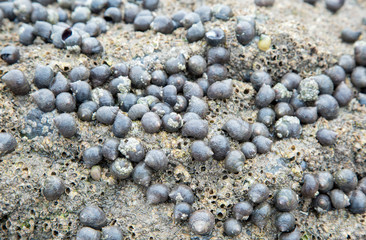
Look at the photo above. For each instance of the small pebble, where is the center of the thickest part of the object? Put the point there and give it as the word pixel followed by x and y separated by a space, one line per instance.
pixel 96 173
pixel 92 216
pixel 157 193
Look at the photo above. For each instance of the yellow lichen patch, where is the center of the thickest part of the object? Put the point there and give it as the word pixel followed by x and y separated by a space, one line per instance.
pixel 264 42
